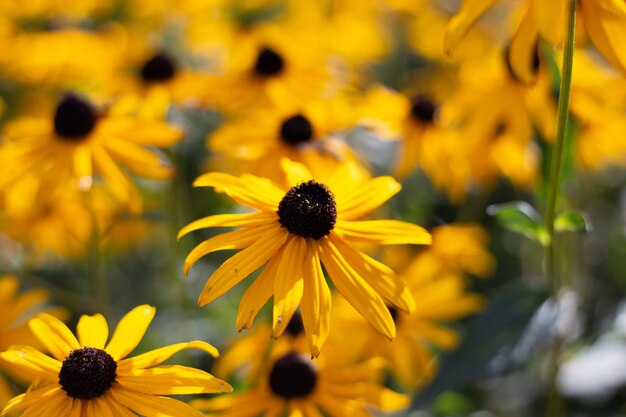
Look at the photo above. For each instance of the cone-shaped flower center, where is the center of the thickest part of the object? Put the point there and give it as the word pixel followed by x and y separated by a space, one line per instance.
pixel 268 63
pixel 157 69
pixel 293 375
pixel 295 325
pixel 296 129
pixel 87 373
pixel 75 118
pixel 423 109
pixel 308 210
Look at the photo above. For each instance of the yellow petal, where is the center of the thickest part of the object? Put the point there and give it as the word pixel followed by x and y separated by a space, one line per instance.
pixel 462 21
pixel 83 168
pixel 316 302
pixel 156 356
pixel 522 51
pixel 93 331
pixel 30 398
pixel 140 160
pixel 242 264
pixel 383 232
pixel 116 180
pixel 366 197
pixel 54 335
pixel 257 294
pixel 607 29
pixel 31 362
pixel 288 283
pixel 130 331
pixel 152 405
pixel 354 289
pixel 229 220
pixel 172 380
pixel 295 172
pixel 252 191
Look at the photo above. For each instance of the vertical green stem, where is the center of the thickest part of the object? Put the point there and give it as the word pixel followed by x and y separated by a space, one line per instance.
pixel 99 287
pixel 555 402
pixel 554 183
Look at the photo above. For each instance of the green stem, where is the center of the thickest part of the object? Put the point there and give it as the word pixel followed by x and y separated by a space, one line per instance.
pixel 554 183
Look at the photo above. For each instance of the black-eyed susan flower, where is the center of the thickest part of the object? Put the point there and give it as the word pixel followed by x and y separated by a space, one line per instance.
pixel 15 308
pixel 78 142
pixel 603 20
pixel 309 134
pixel 293 232
pixel 88 377
pixel 291 383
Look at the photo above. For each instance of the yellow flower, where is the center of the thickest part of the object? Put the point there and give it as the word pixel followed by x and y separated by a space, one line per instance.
pixel 293 232
pixel 603 20
pixel 15 308
pixel 291 383
pixel 306 134
pixel 88 379
pixel 71 146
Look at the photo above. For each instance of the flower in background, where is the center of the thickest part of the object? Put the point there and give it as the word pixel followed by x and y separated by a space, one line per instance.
pixel 15 309
pixel 307 134
pixel 292 383
pixel 292 232
pixel 87 377
pixel 78 142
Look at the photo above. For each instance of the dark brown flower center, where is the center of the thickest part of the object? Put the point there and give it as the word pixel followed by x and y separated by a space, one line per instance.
pixel 87 373
pixel 423 109
pixel 293 375
pixel 296 129
pixel 308 210
pixel 75 118
pixel 159 68
pixel 268 63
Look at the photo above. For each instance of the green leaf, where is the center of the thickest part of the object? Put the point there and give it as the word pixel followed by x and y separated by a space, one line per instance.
pixel 572 221
pixel 519 217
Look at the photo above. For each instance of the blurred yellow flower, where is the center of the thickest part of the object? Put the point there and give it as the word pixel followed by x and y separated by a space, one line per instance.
pixel 88 379
pixel 293 232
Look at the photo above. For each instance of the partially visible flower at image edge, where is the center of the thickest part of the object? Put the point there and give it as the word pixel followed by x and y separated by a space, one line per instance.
pixel 295 231
pixel 88 378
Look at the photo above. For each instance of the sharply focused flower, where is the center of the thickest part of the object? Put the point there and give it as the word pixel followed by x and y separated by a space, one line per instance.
pixel 307 134
pixel 15 309
pixel 293 232
pixel 603 20
pixel 71 146
pixel 88 378
pixel 291 383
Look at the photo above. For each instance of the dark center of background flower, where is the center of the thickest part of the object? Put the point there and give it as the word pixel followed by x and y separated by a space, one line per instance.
pixel 293 375
pixel 75 118
pixel 423 109
pixel 268 63
pixel 296 129
pixel 157 69
pixel 295 325
pixel 308 210
pixel 87 373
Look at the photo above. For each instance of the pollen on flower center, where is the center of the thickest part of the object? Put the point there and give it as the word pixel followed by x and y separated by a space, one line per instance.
pixel 75 118
pixel 296 129
pixel 268 63
pixel 423 109
pixel 293 375
pixel 87 373
pixel 159 68
pixel 308 210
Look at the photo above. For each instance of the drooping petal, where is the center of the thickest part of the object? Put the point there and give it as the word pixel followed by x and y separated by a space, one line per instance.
pixel 130 331
pixel 93 331
pixel 462 21
pixel 354 289
pixel 288 283
pixel 257 294
pixel 606 27
pixel 29 398
pixel 54 335
pixel 252 191
pixel 295 172
pixel 152 405
pixel 522 51
pixel 140 160
pixel 229 220
pixel 32 362
pixel 380 277
pixel 237 239
pixel 316 302
pixel 116 180
pixel 156 356
pixel 383 232
pixel 365 198
pixel 242 264
pixel 172 380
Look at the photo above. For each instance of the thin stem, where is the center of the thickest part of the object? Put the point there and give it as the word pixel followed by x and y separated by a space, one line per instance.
pixel 554 183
